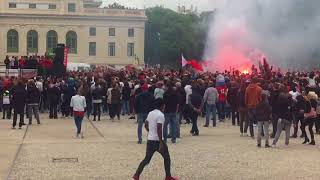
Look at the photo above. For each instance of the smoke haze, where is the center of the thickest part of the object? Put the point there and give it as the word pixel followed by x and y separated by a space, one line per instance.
pixel 285 32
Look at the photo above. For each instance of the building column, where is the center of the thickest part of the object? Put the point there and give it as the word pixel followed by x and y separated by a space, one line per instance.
pixel 42 40
pixel 22 41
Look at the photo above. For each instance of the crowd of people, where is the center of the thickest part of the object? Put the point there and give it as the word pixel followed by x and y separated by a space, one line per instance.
pixel 260 99
pixel 248 100
pixel 27 62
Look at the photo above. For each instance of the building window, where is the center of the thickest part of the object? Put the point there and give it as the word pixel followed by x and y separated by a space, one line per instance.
pixel 71 42
pixel 32 41
pixel 92 31
pixel 12 5
pixel 12 41
pixel 130 49
pixel 130 32
pixel 52 40
pixel 52 6
pixel 71 7
pixel 112 32
pixel 32 6
pixel 112 49
pixel 92 48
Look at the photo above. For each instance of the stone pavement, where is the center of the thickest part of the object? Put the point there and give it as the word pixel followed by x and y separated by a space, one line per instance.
pixel 109 152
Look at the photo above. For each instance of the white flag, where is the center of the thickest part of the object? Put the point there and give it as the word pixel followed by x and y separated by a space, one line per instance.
pixel 183 61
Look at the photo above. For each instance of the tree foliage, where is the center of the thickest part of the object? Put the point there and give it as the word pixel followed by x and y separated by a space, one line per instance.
pixel 169 34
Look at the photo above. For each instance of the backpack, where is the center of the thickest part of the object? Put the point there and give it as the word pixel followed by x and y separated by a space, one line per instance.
pixel 115 96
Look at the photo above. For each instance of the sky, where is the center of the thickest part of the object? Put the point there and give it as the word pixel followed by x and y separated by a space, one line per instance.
pixel 203 5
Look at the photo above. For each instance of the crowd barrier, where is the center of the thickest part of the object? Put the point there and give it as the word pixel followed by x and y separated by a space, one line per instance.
pixel 25 73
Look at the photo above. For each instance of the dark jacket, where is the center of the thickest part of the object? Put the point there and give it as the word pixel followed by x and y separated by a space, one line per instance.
pixel 126 92
pixel 19 96
pixel 241 99
pixel 263 111
pixel 143 102
pixel 232 97
pixel 171 101
pixel 182 98
pixel 97 93
pixel 284 107
pixel 273 99
pixel 53 95
pixel 33 95
pixel 195 99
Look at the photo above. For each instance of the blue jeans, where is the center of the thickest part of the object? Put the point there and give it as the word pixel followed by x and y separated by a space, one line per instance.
pixel 172 119
pixel 78 122
pixel 179 119
pixel 210 109
pixel 221 110
pixel 125 107
pixel 141 117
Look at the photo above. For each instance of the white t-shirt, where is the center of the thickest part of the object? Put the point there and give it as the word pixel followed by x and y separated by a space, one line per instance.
pixel 39 85
pixel 154 117
pixel 78 103
pixel 294 94
pixel 312 82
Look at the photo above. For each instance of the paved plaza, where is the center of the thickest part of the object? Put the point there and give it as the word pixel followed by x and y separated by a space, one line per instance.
pixel 110 152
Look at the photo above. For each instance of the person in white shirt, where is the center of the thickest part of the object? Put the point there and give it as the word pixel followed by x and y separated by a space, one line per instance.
pixel 294 93
pixel 78 104
pixel 153 125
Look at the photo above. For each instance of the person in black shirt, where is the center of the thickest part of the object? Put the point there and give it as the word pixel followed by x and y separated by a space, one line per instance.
pixel 143 105
pixel 195 101
pixel 126 92
pixel 171 103
pixel 284 112
pixel 19 95
pixel 97 100
pixel 53 98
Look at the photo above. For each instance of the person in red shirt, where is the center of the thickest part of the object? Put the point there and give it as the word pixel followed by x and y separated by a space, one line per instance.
pixel 222 96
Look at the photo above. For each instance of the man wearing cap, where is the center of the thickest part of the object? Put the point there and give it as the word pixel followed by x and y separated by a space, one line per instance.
pixel 143 105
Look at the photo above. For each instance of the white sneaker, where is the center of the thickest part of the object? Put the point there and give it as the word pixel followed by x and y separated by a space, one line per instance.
pixel 241 134
pixel 274 146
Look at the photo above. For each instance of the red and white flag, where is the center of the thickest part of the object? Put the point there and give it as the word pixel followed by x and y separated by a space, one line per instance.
pixel 183 61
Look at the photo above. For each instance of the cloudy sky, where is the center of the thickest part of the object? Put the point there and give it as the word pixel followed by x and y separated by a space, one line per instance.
pixel 202 5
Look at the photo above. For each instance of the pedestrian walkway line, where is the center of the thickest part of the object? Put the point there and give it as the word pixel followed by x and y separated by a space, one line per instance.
pixel 17 153
pixel 95 127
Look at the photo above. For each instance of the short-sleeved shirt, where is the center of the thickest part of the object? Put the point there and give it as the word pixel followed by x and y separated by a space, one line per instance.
pixel 154 117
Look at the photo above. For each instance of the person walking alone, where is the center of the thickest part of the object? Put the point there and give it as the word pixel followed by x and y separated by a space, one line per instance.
pixel 153 126
pixel 78 105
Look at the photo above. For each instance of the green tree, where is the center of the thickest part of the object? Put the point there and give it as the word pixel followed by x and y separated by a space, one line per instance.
pixel 168 34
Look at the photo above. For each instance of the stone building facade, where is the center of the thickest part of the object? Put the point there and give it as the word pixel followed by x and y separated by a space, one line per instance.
pixel 94 35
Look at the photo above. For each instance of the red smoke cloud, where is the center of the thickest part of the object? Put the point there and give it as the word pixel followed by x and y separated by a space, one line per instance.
pixel 234 50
